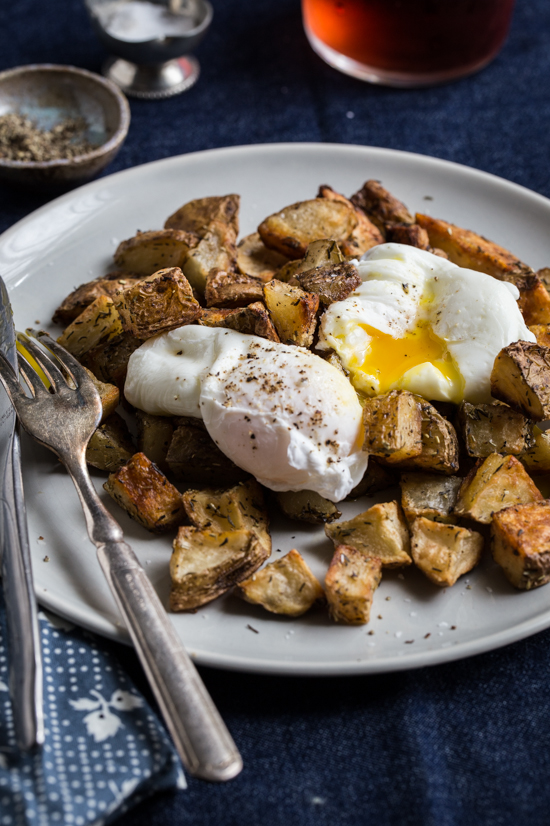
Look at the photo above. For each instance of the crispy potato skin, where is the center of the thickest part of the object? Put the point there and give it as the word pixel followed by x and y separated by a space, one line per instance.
pixel 80 298
pixel 521 378
pixel 440 449
pixel 255 259
pixel 534 300
pixel 146 494
pixel 444 552
pixel 291 230
pixel 537 458
pixel 196 216
pixel 285 586
pixel 217 249
pixel 148 252
pixel 429 495
pixel 494 428
pixel 380 206
pixel 364 235
pixel 231 290
pixel 520 539
pixel 96 325
pixel 108 393
pixel 109 360
pixel 493 484
pixel 157 304
pixel 393 426
pixel 111 445
pixel 412 235
pixel 541 333
pixel 252 320
pixel 331 282
pixel 350 583
pixel 380 531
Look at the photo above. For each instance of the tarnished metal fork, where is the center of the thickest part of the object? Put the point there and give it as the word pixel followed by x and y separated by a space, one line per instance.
pixel 63 417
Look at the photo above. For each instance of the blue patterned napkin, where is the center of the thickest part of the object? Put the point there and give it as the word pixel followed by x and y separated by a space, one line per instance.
pixel 105 749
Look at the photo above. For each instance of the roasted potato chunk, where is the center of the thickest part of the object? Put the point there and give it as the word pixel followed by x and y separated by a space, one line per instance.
pixel 255 259
pixel 232 289
pixel 307 506
pixel 109 360
pixel 534 300
pixel 444 552
pixel 146 494
pixel 393 426
pixel 108 393
pixel 380 206
pixel 111 445
pixel 148 252
pixel 541 333
pixel 331 282
pixel 376 478
pixel 412 235
pixel 468 249
pixel 286 586
pixel 207 563
pixel 495 483
pixel 196 216
pixel 380 531
pixel 214 316
pixel 440 450
pixel 494 428
pixel 80 298
pixel 154 437
pixel 161 302
pixel 429 495
pixel 253 320
pixel 520 541
pixel 216 249
pixel 292 311
pixel 537 458
pixel 521 378
pixel 350 583
pixel 96 325
pixel 241 506
pixel 319 254
pixel 195 459
pixel 364 235
pixel 291 230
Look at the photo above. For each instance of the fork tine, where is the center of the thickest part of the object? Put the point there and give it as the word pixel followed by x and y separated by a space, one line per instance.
pixel 52 371
pixel 11 382
pixel 75 370
pixel 33 380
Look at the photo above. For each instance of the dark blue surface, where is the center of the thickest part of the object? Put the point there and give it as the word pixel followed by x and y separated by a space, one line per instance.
pixel 466 743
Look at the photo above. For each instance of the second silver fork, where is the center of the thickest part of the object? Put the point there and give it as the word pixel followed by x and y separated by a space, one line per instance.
pixel 63 418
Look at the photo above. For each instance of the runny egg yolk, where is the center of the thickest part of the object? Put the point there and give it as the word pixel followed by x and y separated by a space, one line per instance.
pixel 388 358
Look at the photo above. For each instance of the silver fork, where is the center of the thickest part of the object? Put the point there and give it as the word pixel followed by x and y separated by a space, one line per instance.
pixel 63 418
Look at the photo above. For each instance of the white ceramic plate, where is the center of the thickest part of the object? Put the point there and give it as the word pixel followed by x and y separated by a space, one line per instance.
pixel 72 240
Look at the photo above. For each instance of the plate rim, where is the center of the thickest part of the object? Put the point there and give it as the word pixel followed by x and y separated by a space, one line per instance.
pixel 438 656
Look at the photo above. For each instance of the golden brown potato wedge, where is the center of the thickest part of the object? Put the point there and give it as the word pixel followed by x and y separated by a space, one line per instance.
pixel 108 393
pixel 154 437
pixel 216 249
pixel 231 289
pixel 468 249
pixel 161 302
pixel 293 312
pixel 96 325
pixel 429 495
pixel 393 426
pixel 111 445
pixel 80 298
pixel 440 450
pixel 196 460
pixel 146 494
pixel 380 205
pixel 380 531
pixel 494 428
pixel 286 586
pixel 291 230
pixel 213 316
pixel 541 333
pixel 521 378
pixel 241 506
pixel 206 563
pixel 495 483
pixel 364 235
pixel 444 552
pixel 534 299
pixel 350 583
pixel 520 541
pixel 196 216
pixel 307 506
pixel 331 282
pixel 148 252
pixel 252 320
pixel 318 254
pixel 255 259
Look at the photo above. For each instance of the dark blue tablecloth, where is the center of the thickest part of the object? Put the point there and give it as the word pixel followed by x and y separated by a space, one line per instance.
pixel 465 743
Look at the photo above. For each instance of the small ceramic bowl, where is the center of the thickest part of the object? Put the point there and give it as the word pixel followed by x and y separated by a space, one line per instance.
pixel 48 95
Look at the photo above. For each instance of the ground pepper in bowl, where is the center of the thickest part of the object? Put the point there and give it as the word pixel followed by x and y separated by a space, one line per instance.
pixel 22 140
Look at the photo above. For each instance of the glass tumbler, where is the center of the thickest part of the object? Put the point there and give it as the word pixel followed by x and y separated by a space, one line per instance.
pixel 407 42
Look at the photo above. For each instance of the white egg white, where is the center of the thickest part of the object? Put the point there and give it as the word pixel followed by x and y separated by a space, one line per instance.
pixel 281 413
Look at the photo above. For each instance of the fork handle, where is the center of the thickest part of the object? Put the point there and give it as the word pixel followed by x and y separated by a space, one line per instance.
pixel 197 729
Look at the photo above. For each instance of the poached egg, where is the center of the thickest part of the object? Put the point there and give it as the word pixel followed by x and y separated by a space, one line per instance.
pixel 420 323
pixel 280 412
